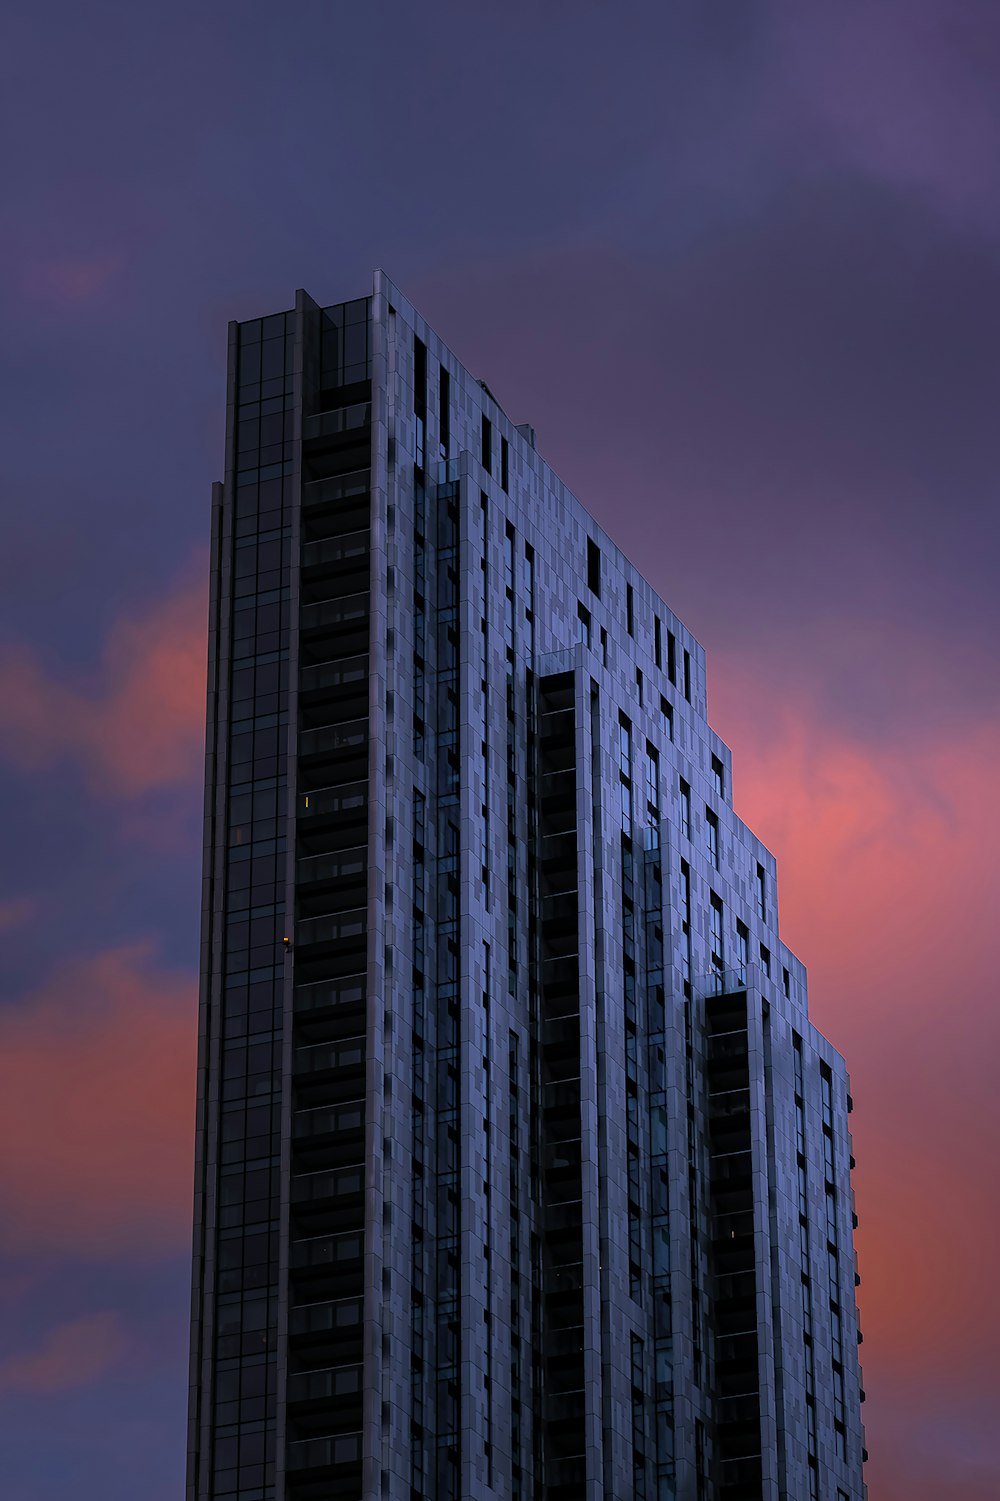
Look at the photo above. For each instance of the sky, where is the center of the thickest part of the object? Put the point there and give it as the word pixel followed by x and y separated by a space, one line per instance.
pixel 739 265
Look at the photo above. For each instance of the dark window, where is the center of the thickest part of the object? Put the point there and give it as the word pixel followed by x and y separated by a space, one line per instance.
pixel 486 445
pixel 583 615
pixel 638 684
pixel 672 657
pixel 719 776
pixel 712 837
pixel 504 464
pixel 786 981
pixel 667 710
pixel 687 676
pixel 593 567
pixel 657 641
pixel 762 892
pixel 419 378
pixel 444 410
pixel 629 609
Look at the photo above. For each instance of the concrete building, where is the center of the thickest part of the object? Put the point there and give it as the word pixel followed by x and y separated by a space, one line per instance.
pixel 522 1172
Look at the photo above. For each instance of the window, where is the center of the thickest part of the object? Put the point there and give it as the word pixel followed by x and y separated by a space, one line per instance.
pixel 420 399
pixel 826 1093
pixel 687 676
pixel 657 641
pixel 719 776
pixel 504 464
pixel 716 930
pixel 652 783
pixel 486 445
pixel 624 747
pixel 742 948
pixel 685 809
pixel 672 657
pixel 593 567
pixel 667 710
pixel 786 981
pixel 629 610
pixel 583 616
pixel 765 960
pixel 762 893
pixel 444 411
pixel 638 684
pixel 712 837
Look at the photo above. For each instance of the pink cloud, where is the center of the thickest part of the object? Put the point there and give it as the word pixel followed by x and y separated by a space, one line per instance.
pixel 97 1109
pixel 71 1355
pixel 888 889
pixel 142 727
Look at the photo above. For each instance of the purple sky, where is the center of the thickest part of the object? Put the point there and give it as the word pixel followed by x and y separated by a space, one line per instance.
pixel 740 267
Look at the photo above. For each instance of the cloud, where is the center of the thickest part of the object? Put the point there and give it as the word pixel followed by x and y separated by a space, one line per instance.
pixel 97 1109
pixel 141 728
pixel 72 1355
pixel 905 94
pixel 74 281
pixel 16 913
pixel 888 889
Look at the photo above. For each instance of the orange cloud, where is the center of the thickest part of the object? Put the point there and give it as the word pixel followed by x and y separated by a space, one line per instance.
pixel 97 1109
pixel 888 888
pixel 143 727
pixel 74 1354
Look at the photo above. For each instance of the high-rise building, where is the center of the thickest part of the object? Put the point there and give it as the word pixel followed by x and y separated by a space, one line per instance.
pixel 522 1172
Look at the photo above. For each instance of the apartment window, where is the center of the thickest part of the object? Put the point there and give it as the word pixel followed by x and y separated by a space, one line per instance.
pixel 629 609
pixel 742 948
pixel 583 617
pixel 672 657
pixel 685 809
pixel 486 444
pixel 786 982
pixel 687 676
pixel 652 783
pixel 826 1094
pixel 762 893
pixel 716 931
pixel 420 399
pixel 504 464
pixel 638 684
pixel 593 567
pixel 765 960
pixel 719 776
pixel 712 837
pixel 657 641
pixel 444 411
pixel 667 710
pixel 624 748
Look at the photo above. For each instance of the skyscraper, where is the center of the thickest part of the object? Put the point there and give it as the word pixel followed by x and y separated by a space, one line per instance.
pixel 522 1171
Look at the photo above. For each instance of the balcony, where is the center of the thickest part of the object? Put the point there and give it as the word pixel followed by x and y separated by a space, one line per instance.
pixel 339 675
pixel 341 1318
pixel 323 1058
pixel 332 1383
pixel 343 624
pixel 332 817
pixel 328 1253
pixel 335 423
pixel 338 1452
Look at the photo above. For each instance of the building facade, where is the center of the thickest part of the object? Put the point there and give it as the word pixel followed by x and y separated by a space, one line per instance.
pixel 521 1169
